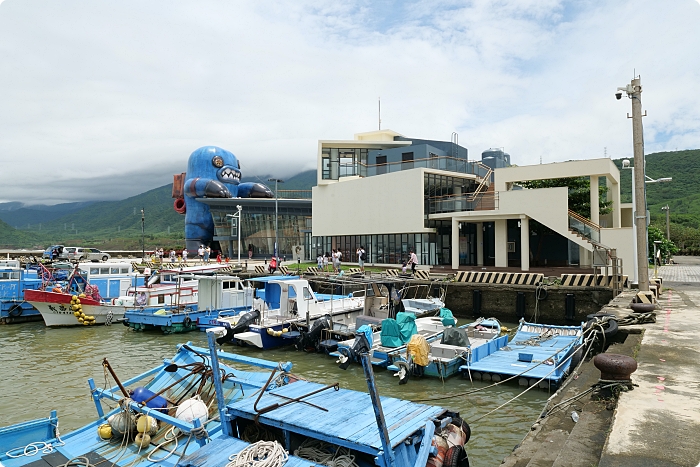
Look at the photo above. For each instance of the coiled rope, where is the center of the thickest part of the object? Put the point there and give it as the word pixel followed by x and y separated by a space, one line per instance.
pixel 34 448
pixel 318 451
pixel 260 454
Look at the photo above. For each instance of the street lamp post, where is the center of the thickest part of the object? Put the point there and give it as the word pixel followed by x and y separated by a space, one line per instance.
pixel 237 216
pixel 276 180
pixel 637 252
pixel 668 228
pixel 143 236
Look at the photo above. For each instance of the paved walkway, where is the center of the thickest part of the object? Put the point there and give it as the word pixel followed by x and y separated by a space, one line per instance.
pixel 686 270
pixel 658 423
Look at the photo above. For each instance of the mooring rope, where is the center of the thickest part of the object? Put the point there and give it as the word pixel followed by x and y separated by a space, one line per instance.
pixel 260 454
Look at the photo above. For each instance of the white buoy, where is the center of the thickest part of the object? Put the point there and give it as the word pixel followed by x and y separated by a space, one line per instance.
pixel 192 409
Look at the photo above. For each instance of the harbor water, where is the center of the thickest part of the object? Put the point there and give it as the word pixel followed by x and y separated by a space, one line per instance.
pixel 42 369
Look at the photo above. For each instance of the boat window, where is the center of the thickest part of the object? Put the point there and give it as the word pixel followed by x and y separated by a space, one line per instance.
pixel 83 272
pixel 226 285
pixel 161 298
pixel 104 270
pixel 125 271
pixel 115 270
pixel 94 271
pixel 307 294
pixel 4 275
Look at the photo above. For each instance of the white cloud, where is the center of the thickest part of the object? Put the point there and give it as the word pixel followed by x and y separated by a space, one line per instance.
pixel 126 90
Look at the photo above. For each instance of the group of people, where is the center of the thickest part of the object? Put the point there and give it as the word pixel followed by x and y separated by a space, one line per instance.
pixel 330 260
pixel 204 253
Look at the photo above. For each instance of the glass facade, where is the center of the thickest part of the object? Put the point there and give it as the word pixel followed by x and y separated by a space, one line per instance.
pixel 343 162
pixel 258 228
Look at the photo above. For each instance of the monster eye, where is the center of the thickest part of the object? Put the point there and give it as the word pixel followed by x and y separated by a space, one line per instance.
pixel 218 162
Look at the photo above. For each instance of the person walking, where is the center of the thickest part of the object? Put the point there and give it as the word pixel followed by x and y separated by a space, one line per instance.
pixel 173 255
pixel 272 267
pixel 207 254
pixel 184 255
pixel 325 261
pixel 413 261
pixel 319 261
pixel 361 258
pixel 250 251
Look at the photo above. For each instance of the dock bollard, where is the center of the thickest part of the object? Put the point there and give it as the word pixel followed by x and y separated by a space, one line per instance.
pixel 614 369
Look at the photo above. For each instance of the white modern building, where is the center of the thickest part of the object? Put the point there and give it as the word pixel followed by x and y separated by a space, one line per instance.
pixel 391 194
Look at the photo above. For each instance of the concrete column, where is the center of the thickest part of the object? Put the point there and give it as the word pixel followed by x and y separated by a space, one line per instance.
pixel 615 194
pixel 480 243
pixel 501 239
pixel 455 244
pixel 585 257
pixel 595 208
pixel 524 243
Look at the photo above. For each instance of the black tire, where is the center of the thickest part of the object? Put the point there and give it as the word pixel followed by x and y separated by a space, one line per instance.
pixel 456 456
pixel 608 331
pixel 576 358
pixel 187 322
pixel 15 310
pixel 104 258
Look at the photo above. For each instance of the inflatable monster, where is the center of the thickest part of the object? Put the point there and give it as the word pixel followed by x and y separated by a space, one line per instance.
pixel 212 172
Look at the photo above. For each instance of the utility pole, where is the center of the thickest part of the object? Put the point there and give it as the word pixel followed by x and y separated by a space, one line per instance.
pixel 640 185
pixel 668 228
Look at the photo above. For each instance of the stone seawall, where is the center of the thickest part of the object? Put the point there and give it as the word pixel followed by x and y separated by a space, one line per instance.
pixel 500 301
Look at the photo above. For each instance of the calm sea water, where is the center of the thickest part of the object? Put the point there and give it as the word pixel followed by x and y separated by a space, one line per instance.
pixel 43 369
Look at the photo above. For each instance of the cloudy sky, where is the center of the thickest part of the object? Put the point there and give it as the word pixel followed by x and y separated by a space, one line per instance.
pixel 107 99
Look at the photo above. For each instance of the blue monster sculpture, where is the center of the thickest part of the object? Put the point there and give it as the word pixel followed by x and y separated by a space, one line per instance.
pixel 212 172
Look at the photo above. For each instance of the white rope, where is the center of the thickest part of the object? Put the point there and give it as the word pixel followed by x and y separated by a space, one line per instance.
pixel 32 449
pixel 260 454
pixel 318 451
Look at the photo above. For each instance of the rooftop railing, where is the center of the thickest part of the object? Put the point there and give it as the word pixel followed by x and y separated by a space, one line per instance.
pixel 294 194
pixel 487 201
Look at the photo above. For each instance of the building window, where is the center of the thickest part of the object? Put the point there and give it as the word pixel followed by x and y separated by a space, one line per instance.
pixel 381 165
pixel 406 160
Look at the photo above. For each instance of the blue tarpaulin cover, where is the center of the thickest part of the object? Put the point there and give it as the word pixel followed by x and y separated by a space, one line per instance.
pixel 365 329
pixel 390 335
pixel 447 318
pixel 407 325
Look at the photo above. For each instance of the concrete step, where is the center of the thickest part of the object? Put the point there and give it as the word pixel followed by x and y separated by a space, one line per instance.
pixel 585 443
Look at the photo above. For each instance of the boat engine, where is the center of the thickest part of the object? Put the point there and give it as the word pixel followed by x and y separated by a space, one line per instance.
pixel 308 341
pixel 360 345
pixel 241 326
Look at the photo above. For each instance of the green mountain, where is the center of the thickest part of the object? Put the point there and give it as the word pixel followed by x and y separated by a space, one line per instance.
pixel 13 238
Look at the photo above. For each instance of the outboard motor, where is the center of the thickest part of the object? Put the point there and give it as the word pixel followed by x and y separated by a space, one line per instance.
pixel 241 326
pixel 307 341
pixel 360 345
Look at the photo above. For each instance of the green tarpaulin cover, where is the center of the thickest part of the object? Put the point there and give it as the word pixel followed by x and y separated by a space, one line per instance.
pixel 407 325
pixel 447 318
pixel 390 334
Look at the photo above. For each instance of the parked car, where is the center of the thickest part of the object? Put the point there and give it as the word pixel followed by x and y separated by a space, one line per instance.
pixel 89 254
pixel 49 253
pixel 66 252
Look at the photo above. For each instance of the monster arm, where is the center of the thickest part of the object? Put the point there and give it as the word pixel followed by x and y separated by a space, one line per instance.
pixel 206 187
pixel 254 190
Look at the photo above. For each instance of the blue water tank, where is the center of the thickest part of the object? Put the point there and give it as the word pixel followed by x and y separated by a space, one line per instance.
pixel 495 158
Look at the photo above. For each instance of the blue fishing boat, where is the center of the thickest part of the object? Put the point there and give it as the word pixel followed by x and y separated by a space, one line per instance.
pixel 538 354
pixel 197 411
pixel 14 280
pixel 291 309
pixel 214 295
pixel 160 415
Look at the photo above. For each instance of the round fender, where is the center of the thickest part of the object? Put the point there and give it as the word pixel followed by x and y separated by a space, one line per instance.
pixel 15 310
pixel 609 330
pixel 456 456
pixel 179 206
pixel 576 358
pixel 403 372
pixel 187 322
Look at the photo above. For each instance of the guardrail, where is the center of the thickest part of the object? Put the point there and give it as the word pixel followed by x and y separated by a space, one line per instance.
pixel 585 227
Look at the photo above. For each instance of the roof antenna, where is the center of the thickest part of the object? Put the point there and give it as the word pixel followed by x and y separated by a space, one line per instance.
pixel 380 112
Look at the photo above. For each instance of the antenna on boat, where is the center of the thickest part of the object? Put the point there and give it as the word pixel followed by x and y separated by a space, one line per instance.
pixel 380 112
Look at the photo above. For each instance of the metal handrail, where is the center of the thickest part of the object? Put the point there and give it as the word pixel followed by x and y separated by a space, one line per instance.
pixel 579 217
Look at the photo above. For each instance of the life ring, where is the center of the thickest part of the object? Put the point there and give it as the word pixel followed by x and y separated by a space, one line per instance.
pixel 187 322
pixel 403 372
pixel 456 456
pixel 15 310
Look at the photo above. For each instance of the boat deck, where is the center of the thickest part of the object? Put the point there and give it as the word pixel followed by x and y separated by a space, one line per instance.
pixel 507 361
pixel 217 452
pixel 348 420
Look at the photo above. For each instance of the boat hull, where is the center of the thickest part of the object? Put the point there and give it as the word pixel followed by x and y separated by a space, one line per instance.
pixel 56 311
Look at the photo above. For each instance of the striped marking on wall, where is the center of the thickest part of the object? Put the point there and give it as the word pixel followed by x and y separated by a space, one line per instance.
pixel 261 269
pixel 589 280
pixel 312 270
pixel 354 271
pixel 422 275
pixel 508 278
pixel 393 272
pixel 284 270
pixel 645 297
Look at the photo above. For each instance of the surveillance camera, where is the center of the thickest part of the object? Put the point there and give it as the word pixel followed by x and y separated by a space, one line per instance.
pixel 618 95
pixel 625 163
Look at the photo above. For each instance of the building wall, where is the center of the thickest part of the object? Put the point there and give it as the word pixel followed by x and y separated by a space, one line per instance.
pixel 390 203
